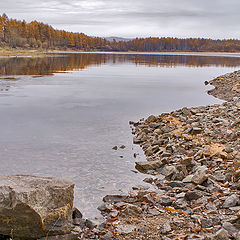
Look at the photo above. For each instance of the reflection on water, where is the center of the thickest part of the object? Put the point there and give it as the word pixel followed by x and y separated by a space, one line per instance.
pixel 65 125
pixel 70 62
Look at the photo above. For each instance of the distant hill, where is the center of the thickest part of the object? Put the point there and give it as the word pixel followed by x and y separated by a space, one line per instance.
pixel 118 39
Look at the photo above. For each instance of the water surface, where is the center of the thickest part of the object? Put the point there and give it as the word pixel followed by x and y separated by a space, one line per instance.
pixel 61 116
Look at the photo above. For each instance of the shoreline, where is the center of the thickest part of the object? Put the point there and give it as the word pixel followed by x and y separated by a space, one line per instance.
pixel 193 166
pixel 10 52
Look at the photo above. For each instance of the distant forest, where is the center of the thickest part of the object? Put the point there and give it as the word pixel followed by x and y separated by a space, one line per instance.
pixel 19 34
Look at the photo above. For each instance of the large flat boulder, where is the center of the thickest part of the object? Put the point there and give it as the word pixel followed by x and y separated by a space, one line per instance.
pixel 33 207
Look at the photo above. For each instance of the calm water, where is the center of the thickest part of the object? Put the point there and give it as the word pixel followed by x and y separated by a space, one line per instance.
pixel 61 116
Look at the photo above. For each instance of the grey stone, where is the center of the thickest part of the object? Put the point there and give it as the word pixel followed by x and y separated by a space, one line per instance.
pixel 107 236
pixel 188 161
pixel 77 218
pixel 151 118
pixel 105 207
pixel 166 228
pixel 153 212
pixel 168 171
pixel 93 223
pixel 200 175
pixel 174 184
pixel 148 165
pixel 33 207
pixel 131 210
pixel 222 234
pixel 137 140
pixel 196 130
pixel 114 198
pixel 206 222
pixel 231 201
pixel 188 179
pixel 192 195
pixel 165 201
pixel 232 231
pixel 125 229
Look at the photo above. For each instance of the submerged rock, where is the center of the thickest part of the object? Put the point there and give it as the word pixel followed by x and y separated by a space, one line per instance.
pixel 33 207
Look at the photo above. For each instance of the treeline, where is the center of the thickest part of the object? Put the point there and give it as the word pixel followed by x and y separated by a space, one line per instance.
pixel 176 44
pixel 14 33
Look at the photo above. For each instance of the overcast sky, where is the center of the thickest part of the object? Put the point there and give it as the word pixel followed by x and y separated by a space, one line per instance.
pixel 133 18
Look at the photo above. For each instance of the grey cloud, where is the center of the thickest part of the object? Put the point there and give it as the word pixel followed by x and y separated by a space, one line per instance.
pixel 185 18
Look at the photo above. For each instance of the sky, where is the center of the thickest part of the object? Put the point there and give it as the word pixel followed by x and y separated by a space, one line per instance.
pixel 133 18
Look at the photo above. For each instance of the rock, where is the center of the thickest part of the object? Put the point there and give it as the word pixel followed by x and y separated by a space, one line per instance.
pixel 148 180
pixel 93 223
pixel 77 217
pixel 131 210
pixel 137 140
pixel 188 179
pixel 107 236
pixel 196 130
pixel 166 228
pixel 76 230
pixel 105 207
pixel 148 165
pixel 206 223
pixel 125 229
pixel 192 195
pixel 188 161
pixel 168 171
pixel 222 234
pixel 114 214
pixel 76 213
pixel 164 201
pixel 143 229
pixel 219 176
pixel 153 212
pixel 33 207
pixel 151 118
pixel 90 224
pixel 114 198
pixel 148 198
pixel 231 201
pixel 199 149
pixel 232 231
pixel 174 184
pixel 200 175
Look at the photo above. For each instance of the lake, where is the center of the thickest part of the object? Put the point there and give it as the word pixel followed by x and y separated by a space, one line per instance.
pixel 61 115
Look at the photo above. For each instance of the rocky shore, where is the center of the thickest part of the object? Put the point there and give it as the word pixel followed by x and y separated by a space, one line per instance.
pixel 226 87
pixel 193 170
pixel 193 167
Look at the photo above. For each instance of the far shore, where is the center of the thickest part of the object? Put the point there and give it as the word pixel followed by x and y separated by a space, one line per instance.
pixel 12 52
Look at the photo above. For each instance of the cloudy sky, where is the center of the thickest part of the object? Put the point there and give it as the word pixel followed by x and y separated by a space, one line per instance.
pixel 133 18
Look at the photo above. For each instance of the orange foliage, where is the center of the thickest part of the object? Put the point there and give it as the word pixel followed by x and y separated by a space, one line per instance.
pixel 16 33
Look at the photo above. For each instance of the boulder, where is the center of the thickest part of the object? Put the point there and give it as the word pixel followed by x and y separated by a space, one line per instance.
pixel 33 207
